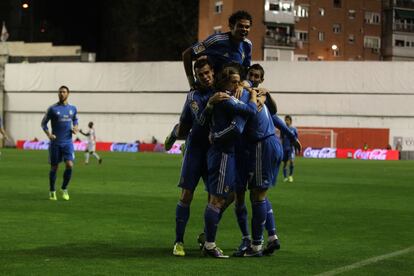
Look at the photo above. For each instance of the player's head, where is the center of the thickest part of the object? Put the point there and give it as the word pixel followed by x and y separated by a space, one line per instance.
pixel 90 125
pixel 255 74
pixel 288 120
pixel 229 78
pixel 239 24
pixel 204 73
pixel 63 93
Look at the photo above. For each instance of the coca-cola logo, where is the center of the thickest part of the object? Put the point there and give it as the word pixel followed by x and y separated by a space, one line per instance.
pixel 80 146
pixel 124 147
pixel 36 145
pixel 319 153
pixel 375 154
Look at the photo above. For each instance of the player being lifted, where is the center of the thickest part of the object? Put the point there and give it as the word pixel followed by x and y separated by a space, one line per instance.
pixel 64 122
pixel 288 151
pixel 91 144
pixel 194 165
pixel 223 48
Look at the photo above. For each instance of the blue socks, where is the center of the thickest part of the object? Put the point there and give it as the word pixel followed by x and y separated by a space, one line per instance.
pixel 291 169
pixel 270 220
pixel 211 219
pixel 182 214
pixel 66 178
pixel 52 180
pixel 258 220
pixel 241 215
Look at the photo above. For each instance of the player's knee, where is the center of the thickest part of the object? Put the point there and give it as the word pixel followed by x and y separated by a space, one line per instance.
pixel 186 196
pixel 54 167
pixel 258 195
pixel 240 198
pixel 217 202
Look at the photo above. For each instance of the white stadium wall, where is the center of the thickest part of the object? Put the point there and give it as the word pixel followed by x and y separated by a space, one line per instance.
pixel 130 101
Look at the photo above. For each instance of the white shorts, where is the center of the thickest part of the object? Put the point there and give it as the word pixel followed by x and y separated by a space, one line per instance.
pixel 91 146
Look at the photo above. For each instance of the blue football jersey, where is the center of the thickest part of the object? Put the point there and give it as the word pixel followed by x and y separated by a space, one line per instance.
pixel 220 49
pixel 287 138
pixel 193 114
pixel 63 118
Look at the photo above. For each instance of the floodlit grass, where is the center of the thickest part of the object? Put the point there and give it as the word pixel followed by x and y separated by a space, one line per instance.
pixel 121 218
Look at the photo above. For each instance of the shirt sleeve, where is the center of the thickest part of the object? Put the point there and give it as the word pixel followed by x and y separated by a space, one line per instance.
pixel 248 56
pixel 284 129
pixel 75 117
pixel 240 108
pixel 200 48
pixel 46 119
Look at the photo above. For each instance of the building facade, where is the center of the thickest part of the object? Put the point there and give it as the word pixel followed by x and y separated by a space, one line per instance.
pixel 341 30
pixel 398 30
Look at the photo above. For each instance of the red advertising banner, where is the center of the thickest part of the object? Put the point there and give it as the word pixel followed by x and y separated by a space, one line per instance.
pixel 370 154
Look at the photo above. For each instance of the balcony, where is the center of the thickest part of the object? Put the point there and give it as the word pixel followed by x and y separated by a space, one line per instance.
pixel 404 4
pixel 402 27
pixel 285 41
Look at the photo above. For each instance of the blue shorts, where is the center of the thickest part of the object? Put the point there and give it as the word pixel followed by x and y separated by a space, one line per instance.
pixel 265 157
pixel 194 166
pixel 221 172
pixel 61 152
pixel 288 154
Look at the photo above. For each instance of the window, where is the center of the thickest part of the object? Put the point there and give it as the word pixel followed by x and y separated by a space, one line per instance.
pixel 321 36
pixel 302 11
pixel 372 42
pixel 217 29
pixel 336 28
pixel 372 18
pixel 287 7
pixel 407 43
pixel 302 35
pixel 351 38
pixel 271 58
pixel 302 58
pixel 321 11
pixel 399 43
pixel 351 14
pixel 337 3
pixel 274 7
pixel 218 7
pixel 335 52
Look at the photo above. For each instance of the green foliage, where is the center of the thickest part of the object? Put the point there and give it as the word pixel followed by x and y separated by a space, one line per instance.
pixel 121 216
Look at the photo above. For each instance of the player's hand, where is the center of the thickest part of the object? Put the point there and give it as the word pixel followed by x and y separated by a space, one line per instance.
pixel 75 130
pixel 52 137
pixel 239 92
pixel 298 146
pixel 218 97
pixel 262 92
pixel 260 103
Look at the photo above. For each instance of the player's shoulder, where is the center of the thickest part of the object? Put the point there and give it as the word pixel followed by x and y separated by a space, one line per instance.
pixel 53 106
pixel 247 42
pixel 216 38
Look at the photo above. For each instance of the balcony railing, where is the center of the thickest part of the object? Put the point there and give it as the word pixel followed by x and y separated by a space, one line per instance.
pixel 401 27
pixel 279 41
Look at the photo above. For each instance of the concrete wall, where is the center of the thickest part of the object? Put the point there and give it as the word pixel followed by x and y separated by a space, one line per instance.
pixel 130 101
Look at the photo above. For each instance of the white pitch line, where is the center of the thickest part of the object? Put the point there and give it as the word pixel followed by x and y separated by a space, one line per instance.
pixel 366 262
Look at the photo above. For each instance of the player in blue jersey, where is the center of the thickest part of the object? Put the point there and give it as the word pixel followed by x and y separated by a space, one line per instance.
pixel 194 165
pixel 288 151
pixel 64 122
pixel 223 48
pixel 221 155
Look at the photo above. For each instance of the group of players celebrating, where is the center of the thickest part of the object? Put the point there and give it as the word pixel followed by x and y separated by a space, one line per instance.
pixel 229 126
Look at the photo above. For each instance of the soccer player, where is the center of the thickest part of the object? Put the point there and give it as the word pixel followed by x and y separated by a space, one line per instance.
pixel 194 165
pixel 288 151
pixel 64 122
pixel 221 155
pixel 223 48
pixel 91 144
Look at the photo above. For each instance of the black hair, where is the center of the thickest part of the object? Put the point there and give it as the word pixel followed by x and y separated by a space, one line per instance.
pixel 258 67
pixel 64 87
pixel 239 15
pixel 288 117
pixel 200 63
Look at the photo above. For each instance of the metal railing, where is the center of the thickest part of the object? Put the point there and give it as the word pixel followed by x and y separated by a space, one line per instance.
pixel 401 27
pixel 279 41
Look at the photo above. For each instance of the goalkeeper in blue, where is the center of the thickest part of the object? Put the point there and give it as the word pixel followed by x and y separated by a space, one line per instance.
pixel 64 122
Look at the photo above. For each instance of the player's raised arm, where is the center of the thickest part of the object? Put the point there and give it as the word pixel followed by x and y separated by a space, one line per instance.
pixel 188 66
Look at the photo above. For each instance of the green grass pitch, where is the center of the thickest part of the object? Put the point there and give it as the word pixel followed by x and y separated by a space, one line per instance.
pixel 121 217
